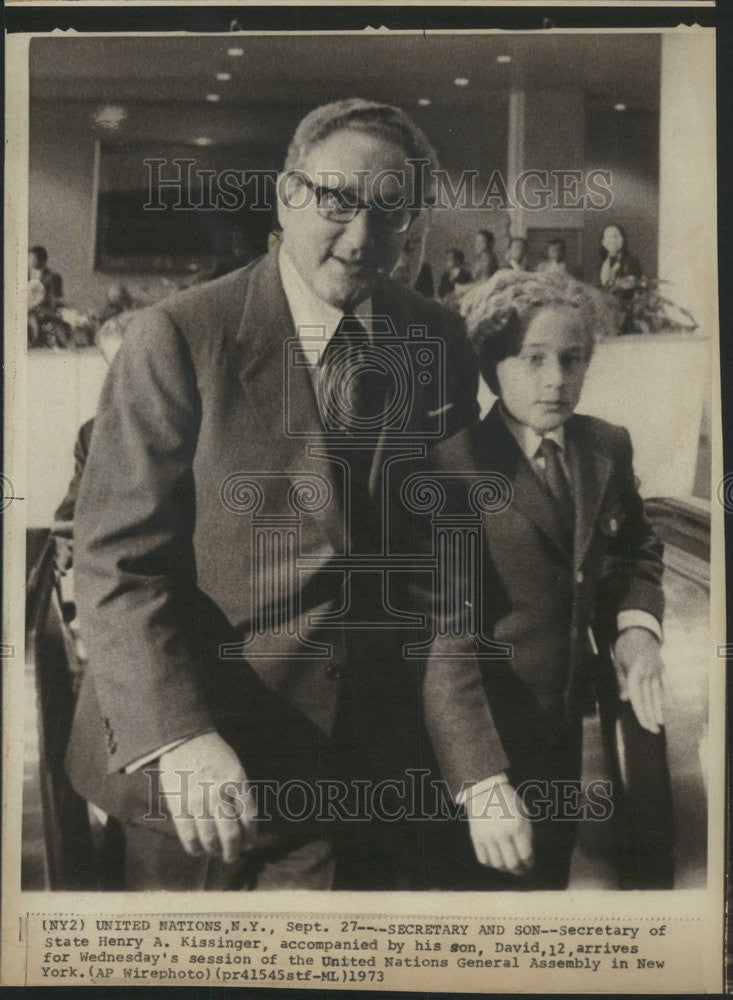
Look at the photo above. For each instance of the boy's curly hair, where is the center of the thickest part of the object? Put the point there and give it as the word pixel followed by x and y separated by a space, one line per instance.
pixel 500 310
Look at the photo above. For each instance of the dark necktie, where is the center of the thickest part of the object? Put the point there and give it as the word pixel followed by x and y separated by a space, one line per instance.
pixel 351 388
pixel 351 383
pixel 557 483
pixel 351 392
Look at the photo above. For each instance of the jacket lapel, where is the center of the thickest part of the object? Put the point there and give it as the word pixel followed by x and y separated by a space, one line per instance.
pixel 383 304
pixel 590 470
pixel 275 374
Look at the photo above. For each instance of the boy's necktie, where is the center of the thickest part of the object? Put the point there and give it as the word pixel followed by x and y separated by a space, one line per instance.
pixel 556 481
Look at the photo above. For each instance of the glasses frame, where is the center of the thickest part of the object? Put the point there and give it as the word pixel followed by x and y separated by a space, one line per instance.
pixel 352 206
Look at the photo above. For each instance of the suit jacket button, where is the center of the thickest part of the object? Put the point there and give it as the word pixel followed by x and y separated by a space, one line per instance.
pixel 333 671
pixel 613 525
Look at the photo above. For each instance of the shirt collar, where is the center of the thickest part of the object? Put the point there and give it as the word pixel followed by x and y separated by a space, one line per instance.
pixel 528 439
pixel 315 321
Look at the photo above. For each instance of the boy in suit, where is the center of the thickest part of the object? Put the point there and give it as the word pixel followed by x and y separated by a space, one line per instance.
pixel 570 553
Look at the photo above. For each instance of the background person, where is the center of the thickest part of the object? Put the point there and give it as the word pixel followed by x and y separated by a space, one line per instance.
pixel 485 263
pixel 456 273
pixel 45 297
pixel 52 282
pixel 620 269
pixel 556 261
pixel 620 274
pixel 516 255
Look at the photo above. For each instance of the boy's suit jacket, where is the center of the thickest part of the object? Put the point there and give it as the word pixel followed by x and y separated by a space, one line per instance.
pixel 165 539
pixel 538 596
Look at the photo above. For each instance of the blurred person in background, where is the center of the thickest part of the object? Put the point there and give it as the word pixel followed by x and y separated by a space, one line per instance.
pixel 516 255
pixel 45 296
pixel 52 283
pixel 620 274
pixel 456 273
pixel 485 262
pixel 620 269
pixel 555 262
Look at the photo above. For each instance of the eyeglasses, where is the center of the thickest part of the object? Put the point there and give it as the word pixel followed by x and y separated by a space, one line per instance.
pixel 341 207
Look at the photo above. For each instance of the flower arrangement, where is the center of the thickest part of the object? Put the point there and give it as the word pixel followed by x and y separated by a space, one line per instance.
pixel 56 326
pixel 638 306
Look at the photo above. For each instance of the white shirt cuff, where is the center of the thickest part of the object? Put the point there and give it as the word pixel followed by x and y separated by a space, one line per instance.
pixel 634 618
pixel 142 761
pixel 481 786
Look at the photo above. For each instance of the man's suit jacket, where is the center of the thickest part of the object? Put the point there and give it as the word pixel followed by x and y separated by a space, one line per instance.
pixel 200 398
pixel 537 595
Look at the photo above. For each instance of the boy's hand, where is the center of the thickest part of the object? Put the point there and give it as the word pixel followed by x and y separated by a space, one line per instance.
pixel 500 831
pixel 639 670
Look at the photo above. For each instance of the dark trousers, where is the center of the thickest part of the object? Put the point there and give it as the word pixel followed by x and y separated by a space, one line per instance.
pixel 548 779
pixel 642 798
pixel 139 859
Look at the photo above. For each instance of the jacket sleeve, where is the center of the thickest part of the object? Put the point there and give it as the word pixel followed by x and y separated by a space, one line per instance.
pixel 458 718
pixel 632 572
pixel 135 570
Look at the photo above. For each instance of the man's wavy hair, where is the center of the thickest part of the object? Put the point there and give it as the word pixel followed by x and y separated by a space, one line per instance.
pixel 501 309
pixel 370 117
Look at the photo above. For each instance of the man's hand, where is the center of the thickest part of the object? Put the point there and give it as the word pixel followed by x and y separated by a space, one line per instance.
pixel 639 668
pixel 500 831
pixel 208 796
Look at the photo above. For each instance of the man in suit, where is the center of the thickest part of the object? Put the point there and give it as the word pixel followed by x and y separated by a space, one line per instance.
pixel 224 503
pixel 569 554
